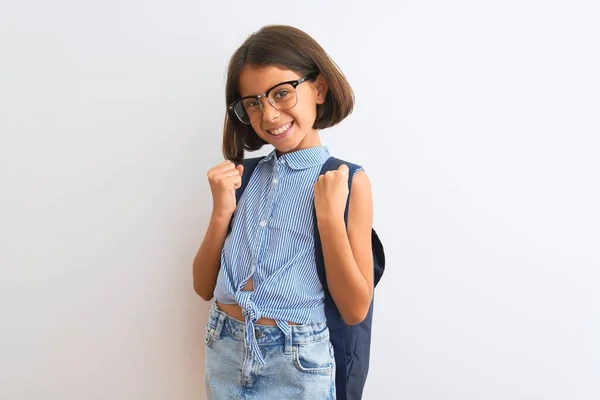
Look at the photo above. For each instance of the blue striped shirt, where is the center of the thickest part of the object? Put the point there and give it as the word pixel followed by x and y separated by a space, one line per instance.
pixel 272 242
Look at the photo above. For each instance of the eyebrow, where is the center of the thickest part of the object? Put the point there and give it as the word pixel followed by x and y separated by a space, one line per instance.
pixel 268 90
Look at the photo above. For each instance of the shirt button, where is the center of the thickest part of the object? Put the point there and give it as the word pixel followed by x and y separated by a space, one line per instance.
pixel 263 223
pixel 275 180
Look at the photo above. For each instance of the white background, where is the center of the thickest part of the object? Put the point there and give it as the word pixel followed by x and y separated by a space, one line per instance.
pixel 478 123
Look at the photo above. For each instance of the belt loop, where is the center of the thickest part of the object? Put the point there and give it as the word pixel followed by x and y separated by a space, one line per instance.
pixel 219 316
pixel 289 341
pixel 220 323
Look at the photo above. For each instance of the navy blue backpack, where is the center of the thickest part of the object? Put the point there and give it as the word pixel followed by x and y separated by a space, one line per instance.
pixel 351 343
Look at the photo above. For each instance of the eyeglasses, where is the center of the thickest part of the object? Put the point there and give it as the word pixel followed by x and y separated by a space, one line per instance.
pixel 282 97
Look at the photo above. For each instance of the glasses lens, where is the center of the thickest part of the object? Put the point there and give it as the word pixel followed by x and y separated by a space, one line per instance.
pixel 240 111
pixel 283 97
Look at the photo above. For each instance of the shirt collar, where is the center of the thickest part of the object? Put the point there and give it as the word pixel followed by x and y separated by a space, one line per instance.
pixel 301 159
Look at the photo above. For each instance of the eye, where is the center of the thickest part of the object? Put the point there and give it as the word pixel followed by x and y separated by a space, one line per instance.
pixel 281 94
pixel 251 104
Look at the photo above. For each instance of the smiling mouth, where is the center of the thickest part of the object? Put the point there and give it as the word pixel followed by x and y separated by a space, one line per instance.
pixel 281 129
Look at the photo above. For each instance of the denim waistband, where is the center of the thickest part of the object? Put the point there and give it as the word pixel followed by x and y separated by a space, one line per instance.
pixel 220 324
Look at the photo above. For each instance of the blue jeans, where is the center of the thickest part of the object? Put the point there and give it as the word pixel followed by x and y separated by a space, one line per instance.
pixel 298 366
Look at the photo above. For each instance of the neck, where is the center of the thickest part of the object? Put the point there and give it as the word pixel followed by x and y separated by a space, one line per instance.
pixel 311 140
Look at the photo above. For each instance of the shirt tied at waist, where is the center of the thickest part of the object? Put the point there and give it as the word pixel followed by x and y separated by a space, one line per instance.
pixel 251 315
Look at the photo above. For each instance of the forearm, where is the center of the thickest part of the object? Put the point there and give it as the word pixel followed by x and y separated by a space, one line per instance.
pixel 208 259
pixel 347 285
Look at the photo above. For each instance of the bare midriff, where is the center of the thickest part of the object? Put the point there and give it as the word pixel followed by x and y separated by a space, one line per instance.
pixel 235 311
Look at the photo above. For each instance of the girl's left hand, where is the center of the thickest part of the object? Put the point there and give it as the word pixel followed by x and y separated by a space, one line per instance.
pixel 331 194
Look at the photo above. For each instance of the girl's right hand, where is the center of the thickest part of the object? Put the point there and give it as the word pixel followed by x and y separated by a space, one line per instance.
pixel 224 179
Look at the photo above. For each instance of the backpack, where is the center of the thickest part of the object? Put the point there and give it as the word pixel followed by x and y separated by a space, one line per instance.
pixel 351 343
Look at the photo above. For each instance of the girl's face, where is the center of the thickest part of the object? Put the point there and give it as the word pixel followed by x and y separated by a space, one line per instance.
pixel 287 130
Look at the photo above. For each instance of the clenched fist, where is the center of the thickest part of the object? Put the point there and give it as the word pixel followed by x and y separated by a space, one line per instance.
pixel 331 193
pixel 224 179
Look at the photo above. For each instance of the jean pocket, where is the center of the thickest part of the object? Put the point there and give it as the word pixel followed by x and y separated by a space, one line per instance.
pixel 314 358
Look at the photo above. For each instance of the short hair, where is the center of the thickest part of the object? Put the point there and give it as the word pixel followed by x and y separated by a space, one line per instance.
pixel 288 48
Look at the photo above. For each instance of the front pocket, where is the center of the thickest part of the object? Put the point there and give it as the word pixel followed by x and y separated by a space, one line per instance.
pixel 313 358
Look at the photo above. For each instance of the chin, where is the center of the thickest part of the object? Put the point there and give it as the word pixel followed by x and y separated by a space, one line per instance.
pixel 285 146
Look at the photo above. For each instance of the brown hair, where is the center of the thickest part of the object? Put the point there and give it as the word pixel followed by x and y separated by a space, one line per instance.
pixel 289 48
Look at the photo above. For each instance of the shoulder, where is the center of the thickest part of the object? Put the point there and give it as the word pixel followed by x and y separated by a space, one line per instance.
pixel 361 182
pixel 361 192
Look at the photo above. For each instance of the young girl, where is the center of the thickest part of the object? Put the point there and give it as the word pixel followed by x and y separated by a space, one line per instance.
pixel 267 336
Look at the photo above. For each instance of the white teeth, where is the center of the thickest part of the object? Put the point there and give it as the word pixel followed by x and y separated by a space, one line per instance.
pixel 281 130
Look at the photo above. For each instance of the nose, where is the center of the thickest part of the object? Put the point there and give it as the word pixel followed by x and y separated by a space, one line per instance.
pixel 269 111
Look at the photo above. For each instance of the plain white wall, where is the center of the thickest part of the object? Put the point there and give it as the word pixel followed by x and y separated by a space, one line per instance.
pixel 478 123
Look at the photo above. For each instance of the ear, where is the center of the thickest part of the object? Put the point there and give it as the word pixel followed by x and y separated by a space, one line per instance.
pixel 321 86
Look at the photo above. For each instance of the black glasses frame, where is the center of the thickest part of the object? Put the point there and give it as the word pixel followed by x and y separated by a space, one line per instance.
pixel 294 84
